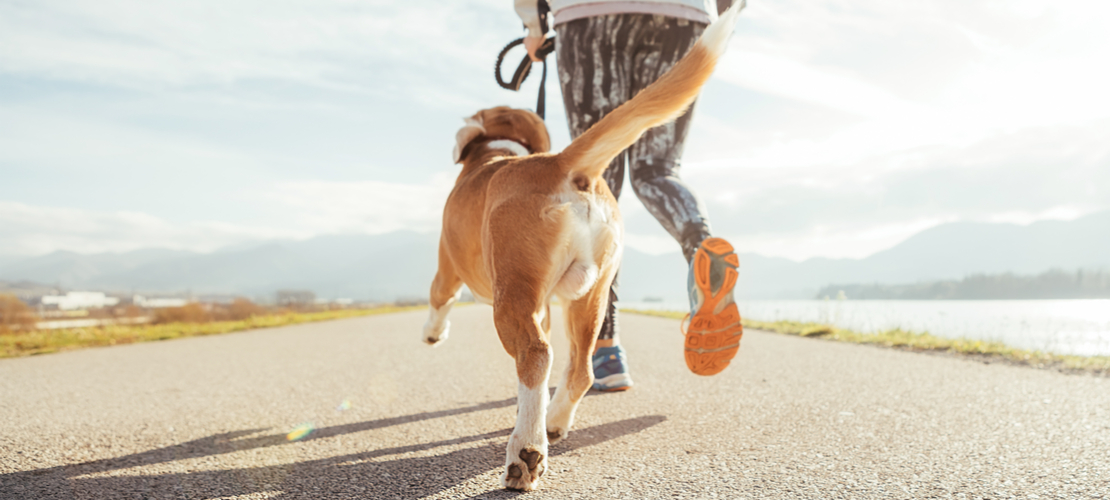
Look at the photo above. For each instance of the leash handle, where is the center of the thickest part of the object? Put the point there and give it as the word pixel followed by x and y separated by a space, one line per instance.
pixel 524 69
pixel 541 100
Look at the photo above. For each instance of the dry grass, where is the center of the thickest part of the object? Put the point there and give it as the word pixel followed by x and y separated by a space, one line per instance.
pixel 924 342
pixel 14 314
pixel 47 341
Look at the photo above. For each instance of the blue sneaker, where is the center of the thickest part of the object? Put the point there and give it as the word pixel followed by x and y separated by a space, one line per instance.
pixel 611 370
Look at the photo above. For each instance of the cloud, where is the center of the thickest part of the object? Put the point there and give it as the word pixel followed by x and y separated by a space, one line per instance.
pixel 902 116
pixel 833 127
pixel 34 230
pixel 38 138
pixel 362 207
pixel 1050 173
pixel 990 67
pixel 303 208
pixel 794 80
pixel 339 46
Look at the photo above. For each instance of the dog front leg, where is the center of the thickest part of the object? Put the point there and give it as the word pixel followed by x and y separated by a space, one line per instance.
pixel 437 327
pixel 446 288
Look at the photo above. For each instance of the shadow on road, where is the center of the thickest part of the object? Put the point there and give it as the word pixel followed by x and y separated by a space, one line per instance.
pixel 357 475
pixel 230 442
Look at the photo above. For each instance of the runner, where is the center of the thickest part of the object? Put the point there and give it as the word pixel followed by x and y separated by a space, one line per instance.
pixel 607 51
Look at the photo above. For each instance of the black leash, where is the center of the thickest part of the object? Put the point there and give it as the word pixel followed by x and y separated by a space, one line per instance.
pixel 525 67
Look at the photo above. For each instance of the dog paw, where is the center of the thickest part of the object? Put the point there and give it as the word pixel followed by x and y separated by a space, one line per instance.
pixel 560 418
pixel 434 336
pixel 524 474
pixel 554 435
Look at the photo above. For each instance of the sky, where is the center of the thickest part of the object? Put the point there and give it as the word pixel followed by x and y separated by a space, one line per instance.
pixel 832 128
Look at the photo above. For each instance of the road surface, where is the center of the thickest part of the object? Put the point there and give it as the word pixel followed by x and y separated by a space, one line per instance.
pixel 792 418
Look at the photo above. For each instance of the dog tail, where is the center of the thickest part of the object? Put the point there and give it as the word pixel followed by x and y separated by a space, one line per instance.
pixel 666 99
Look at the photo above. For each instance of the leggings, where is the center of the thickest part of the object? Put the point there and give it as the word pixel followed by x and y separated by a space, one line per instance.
pixel 605 60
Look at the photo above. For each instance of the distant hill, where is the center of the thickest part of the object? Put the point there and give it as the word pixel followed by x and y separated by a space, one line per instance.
pixel 663 277
pixel 402 264
pixel 1054 284
pixel 959 249
pixel 946 252
pixel 371 267
pixel 26 289
pixel 74 269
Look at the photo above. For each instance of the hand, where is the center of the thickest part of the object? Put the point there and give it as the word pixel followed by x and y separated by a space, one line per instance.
pixel 532 44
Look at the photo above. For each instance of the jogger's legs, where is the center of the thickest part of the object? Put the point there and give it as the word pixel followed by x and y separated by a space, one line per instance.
pixel 655 159
pixel 654 171
pixel 603 61
pixel 595 77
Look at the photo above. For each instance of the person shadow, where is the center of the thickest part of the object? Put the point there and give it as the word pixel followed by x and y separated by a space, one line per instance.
pixel 357 475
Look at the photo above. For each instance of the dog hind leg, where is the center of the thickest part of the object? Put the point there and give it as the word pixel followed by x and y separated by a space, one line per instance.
pixel 583 317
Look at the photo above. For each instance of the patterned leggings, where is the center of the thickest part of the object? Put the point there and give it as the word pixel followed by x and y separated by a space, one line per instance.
pixel 605 60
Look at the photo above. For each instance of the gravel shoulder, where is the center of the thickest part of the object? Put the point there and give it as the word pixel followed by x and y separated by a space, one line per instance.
pixel 793 417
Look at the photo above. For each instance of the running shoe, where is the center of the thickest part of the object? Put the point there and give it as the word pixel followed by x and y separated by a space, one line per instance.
pixel 611 369
pixel 714 333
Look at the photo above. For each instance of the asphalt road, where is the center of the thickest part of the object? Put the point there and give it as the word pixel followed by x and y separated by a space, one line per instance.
pixel 792 418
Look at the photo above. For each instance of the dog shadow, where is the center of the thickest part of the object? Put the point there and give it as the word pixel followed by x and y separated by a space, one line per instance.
pixel 356 475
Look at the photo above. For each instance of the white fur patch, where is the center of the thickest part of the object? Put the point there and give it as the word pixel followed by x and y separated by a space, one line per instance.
pixel 472 129
pixel 437 327
pixel 715 38
pixel 589 224
pixel 531 422
pixel 532 409
pixel 578 280
pixel 560 413
pixel 516 147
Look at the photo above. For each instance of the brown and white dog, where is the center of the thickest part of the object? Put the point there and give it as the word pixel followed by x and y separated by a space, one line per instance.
pixel 523 226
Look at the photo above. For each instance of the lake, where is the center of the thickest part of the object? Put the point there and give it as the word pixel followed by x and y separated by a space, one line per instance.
pixel 1061 326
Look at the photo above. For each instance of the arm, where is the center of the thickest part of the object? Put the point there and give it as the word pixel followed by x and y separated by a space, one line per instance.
pixel 534 15
pixel 529 12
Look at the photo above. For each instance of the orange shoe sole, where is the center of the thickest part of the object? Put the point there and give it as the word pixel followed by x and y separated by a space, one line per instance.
pixel 713 337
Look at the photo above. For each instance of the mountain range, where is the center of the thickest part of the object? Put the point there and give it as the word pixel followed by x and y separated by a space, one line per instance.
pixel 397 265
pixel 371 267
pixel 945 252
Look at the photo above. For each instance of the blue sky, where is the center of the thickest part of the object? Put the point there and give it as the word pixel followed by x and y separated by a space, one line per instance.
pixel 832 128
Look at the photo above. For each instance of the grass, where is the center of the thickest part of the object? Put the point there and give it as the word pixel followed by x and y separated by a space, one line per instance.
pixel 925 342
pixel 48 341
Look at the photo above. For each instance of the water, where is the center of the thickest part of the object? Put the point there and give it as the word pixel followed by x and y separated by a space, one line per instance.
pixel 1060 326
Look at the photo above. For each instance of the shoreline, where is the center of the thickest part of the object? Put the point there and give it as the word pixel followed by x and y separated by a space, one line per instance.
pixel 986 352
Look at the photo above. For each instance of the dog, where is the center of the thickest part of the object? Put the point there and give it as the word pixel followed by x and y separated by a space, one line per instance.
pixel 523 226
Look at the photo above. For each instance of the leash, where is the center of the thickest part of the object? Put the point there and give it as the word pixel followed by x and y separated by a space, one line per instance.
pixel 525 67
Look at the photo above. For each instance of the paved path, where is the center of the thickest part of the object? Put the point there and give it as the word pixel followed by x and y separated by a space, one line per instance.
pixel 792 418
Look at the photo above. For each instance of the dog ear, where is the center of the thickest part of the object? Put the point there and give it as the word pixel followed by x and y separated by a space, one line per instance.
pixel 469 132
